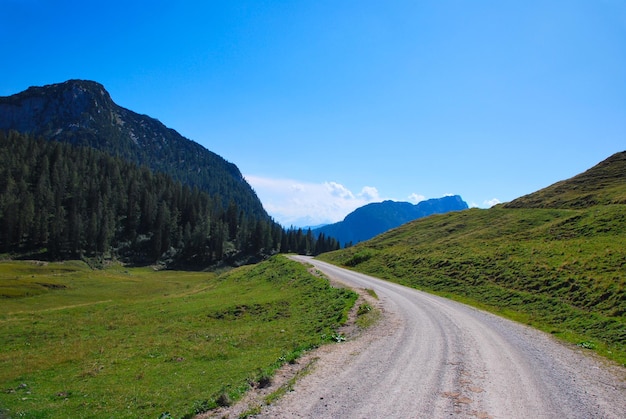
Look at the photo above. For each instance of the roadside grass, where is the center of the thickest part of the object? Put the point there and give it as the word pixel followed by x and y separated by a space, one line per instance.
pixel 367 316
pixel 559 270
pixel 280 391
pixel 135 342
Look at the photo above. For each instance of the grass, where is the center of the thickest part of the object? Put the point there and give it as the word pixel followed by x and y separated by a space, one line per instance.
pixel 367 316
pixel 560 270
pixel 138 343
pixel 603 184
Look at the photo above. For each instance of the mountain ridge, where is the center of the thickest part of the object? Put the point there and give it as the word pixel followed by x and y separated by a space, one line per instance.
pixel 602 184
pixel 375 218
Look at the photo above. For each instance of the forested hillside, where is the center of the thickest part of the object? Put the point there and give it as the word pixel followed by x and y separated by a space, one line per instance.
pixel 81 112
pixel 62 201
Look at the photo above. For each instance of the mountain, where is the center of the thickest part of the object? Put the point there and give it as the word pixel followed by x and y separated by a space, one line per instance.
pixel 554 258
pixel 82 113
pixel 372 219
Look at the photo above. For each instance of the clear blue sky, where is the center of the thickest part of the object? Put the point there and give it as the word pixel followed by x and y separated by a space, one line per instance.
pixel 327 105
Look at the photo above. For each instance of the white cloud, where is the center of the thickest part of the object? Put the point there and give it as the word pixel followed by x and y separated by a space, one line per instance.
pixel 491 202
pixel 415 198
pixel 296 203
pixel 370 194
pixel 338 190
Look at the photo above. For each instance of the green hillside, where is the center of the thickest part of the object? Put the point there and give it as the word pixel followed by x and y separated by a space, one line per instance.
pixel 555 259
pixel 603 184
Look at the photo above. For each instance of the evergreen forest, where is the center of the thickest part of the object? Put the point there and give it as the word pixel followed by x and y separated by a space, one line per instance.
pixel 61 201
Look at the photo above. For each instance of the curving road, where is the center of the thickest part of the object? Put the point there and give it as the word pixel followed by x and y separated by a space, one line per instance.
pixel 434 358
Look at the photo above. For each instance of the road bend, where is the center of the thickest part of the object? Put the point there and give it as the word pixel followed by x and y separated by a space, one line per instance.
pixel 430 357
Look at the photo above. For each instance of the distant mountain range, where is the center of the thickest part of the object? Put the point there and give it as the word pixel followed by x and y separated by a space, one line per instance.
pixel 376 218
pixel 82 113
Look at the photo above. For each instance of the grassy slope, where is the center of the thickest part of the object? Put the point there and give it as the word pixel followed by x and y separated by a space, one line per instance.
pixel 138 343
pixel 555 259
pixel 603 184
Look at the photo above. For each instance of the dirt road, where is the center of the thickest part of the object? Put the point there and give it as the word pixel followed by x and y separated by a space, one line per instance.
pixel 432 358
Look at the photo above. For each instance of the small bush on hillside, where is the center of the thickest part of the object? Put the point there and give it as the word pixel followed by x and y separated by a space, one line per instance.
pixel 359 257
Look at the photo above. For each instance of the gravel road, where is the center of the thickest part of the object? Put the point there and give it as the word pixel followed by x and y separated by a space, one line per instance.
pixel 432 358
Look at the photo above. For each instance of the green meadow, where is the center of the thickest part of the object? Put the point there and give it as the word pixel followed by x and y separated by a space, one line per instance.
pixel 134 342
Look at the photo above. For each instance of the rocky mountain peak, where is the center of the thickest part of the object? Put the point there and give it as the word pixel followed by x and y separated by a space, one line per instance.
pixel 53 110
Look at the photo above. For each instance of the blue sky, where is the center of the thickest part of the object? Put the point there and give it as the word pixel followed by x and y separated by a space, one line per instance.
pixel 328 105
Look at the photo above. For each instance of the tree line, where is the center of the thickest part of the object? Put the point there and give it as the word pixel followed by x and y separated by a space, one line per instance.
pixel 61 201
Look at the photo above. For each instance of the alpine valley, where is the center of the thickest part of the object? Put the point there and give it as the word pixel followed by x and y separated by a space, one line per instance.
pixel 85 183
